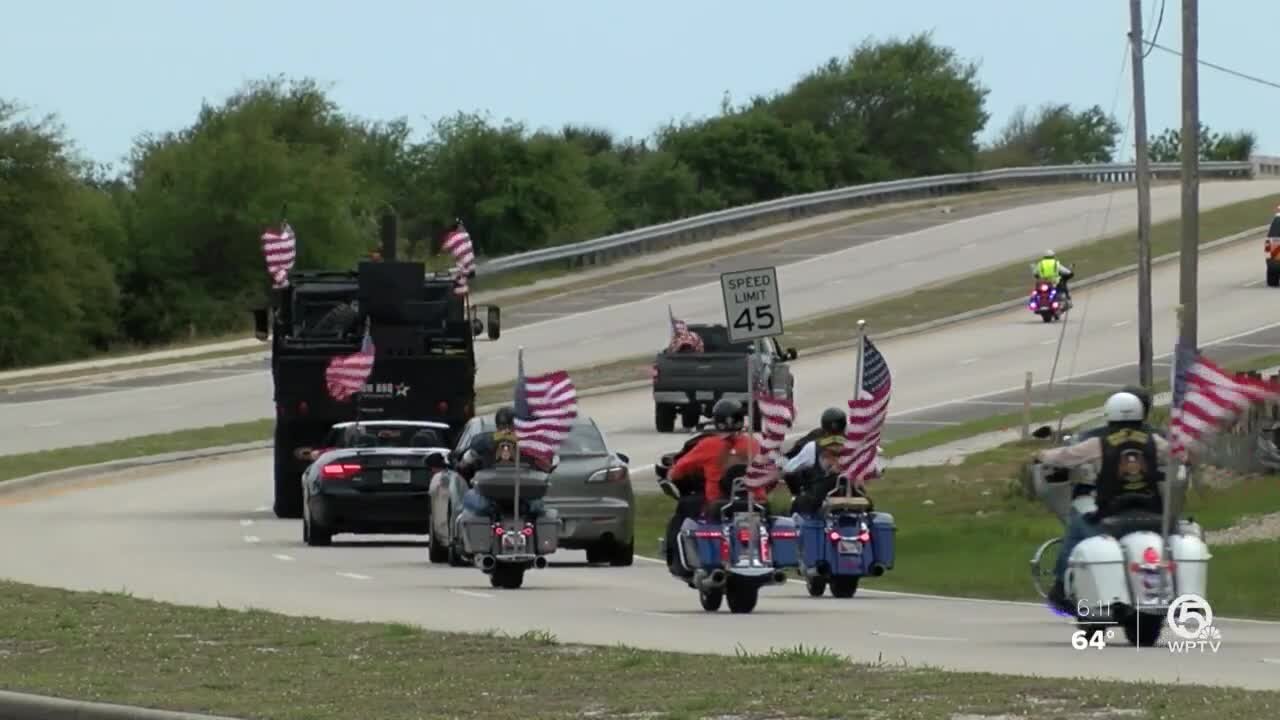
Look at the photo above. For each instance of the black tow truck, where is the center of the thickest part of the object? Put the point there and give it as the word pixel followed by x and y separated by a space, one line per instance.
pixel 424 356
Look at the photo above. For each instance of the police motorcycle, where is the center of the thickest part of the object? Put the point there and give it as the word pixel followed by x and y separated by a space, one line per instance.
pixel 735 551
pixel 1046 302
pixel 513 534
pixel 1130 573
pixel 844 541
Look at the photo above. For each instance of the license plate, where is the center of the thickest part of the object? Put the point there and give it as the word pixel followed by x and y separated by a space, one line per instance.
pixel 395 477
pixel 704 395
pixel 850 547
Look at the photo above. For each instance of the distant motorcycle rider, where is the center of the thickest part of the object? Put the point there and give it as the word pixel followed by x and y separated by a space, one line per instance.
pixel 709 458
pixel 1048 269
pixel 833 422
pixel 810 485
pixel 1130 458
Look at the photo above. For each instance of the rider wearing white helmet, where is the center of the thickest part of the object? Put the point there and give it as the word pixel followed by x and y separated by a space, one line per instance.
pixel 1129 459
pixel 1048 268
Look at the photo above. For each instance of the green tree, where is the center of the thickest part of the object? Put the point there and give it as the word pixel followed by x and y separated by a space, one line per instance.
pixel 1167 146
pixel 1055 135
pixel 60 298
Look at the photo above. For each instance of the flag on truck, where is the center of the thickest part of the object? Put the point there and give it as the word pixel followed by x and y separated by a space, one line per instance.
pixel 867 413
pixel 280 249
pixel 777 415
pixel 1208 399
pixel 545 408
pixel 347 374
pixel 681 336
pixel 458 243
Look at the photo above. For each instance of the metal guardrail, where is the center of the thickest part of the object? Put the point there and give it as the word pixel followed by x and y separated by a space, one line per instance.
pixel 734 220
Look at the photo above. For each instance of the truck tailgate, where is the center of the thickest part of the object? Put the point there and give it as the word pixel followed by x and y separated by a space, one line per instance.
pixel 691 372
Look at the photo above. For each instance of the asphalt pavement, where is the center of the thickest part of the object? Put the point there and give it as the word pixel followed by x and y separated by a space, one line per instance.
pixel 47 419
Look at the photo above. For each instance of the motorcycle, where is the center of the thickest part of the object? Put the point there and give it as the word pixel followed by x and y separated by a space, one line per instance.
pixel 1132 572
pixel 735 553
pixel 843 542
pixel 1046 303
pixel 503 543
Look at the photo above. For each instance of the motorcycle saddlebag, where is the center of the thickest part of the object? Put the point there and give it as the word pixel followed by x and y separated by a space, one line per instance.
pixel 883 530
pixel 500 483
pixel 784 541
pixel 547 531
pixel 477 533
pixel 814 546
pixel 701 543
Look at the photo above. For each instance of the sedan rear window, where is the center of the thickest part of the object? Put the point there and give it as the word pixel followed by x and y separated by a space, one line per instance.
pixel 584 439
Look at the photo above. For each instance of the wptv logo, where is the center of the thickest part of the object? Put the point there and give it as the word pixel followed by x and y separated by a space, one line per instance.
pixel 1191 620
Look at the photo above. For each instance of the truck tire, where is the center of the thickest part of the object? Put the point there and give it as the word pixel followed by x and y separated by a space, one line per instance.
pixel 288 488
pixel 664 417
pixel 1273 276
pixel 690 417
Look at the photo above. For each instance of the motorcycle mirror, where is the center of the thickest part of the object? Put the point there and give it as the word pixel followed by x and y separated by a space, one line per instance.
pixel 1042 432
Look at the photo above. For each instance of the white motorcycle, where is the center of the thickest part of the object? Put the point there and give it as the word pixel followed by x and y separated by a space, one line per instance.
pixel 1130 573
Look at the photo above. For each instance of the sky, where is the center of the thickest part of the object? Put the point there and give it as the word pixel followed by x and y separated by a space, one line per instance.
pixel 114 70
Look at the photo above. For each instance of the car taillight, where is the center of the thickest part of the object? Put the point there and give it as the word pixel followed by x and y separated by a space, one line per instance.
pixel 442 408
pixel 340 471
pixel 616 474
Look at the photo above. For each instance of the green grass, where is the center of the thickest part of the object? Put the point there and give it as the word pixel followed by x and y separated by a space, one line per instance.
pixel 109 647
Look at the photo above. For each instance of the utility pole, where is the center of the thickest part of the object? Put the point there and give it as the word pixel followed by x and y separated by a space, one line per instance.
pixel 1190 255
pixel 1143 180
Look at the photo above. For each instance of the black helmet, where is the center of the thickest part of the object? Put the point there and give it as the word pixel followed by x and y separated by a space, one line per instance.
pixel 833 421
pixel 728 414
pixel 505 418
pixel 1143 395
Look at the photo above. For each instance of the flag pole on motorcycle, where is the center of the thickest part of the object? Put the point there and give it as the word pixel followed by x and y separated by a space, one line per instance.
pixel 857 385
pixel 521 405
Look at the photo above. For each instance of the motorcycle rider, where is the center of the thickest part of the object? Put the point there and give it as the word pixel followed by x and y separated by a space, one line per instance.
pixel 1130 459
pixel 832 422
pixel 810 485
pixel 486 450
pixel 1048 269
pixel 710 456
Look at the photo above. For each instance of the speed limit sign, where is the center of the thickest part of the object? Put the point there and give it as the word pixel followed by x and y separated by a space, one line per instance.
pixel 752 306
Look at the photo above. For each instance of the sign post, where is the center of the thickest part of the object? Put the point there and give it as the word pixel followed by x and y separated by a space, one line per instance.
pixel 752 310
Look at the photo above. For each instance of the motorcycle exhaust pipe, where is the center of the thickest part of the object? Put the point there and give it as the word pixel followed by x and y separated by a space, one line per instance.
pixel 540 562
pixel 877 569
pixel 486 562
pixel 717 578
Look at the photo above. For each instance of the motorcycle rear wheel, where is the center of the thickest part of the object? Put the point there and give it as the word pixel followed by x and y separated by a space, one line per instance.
pixel 742 597
pixel 710 599
pixel 817 586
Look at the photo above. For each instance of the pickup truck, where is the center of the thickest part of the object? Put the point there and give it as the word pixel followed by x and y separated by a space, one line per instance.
pixel 688 384
pixel 1273 251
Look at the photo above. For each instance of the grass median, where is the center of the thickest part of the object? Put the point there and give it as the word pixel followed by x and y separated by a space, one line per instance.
pixel 109 647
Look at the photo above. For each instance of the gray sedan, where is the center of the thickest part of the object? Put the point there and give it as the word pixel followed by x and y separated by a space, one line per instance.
pixel 590 489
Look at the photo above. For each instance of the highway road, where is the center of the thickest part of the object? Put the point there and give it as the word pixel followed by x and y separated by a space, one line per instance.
pixel 621 325
pixel 202 533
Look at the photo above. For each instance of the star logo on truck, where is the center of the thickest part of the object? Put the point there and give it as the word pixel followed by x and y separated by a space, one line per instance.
pixel 402 390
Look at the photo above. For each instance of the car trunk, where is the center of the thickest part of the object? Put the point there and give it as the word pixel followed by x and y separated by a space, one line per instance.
pixel 390 473
pixel 569 481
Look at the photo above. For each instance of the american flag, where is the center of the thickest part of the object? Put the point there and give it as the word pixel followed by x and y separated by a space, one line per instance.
pixel 347 374
pixel 777 415
pixel 545 408
pixel 1207 398
pixel 682 336
pixel 867 413
pixel 458 243
pixel 280 248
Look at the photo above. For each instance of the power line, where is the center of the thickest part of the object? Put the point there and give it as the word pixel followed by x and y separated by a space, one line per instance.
pixel 1156 35
pixel 1219 68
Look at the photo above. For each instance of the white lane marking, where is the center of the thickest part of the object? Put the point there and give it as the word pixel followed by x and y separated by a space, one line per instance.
pixel 970 246
pixel 262 508
pixel 284 558
pixel 354 576
pixel 46 424
pixel 1254 283
pixel 246 523
pixel 251 539
pixel 970 361
pixel 905 636
pixel 924 422
pixel 1271 661
pixel 655 613
pixel 994 402
pixel 1122 323
pixel 1092 384
pixel 471 593
pixel 1050 341
pixel 1261 346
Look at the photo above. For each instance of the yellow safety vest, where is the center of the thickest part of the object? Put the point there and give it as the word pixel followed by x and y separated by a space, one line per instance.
pixel 1049 268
